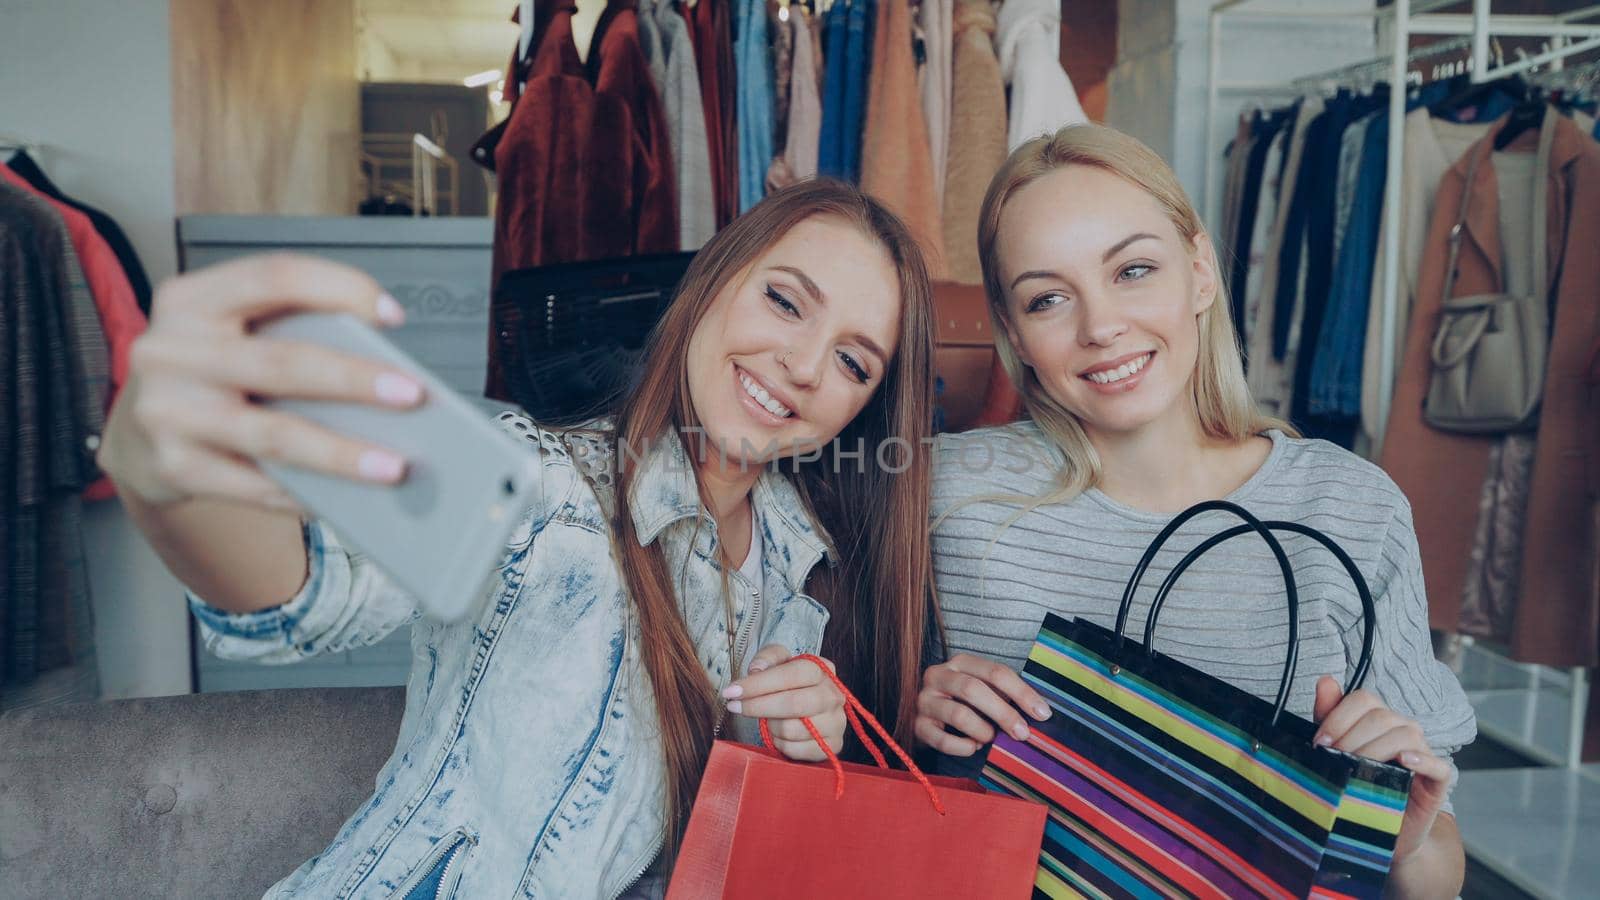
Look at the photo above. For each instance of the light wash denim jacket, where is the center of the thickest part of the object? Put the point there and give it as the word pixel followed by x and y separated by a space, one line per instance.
pixel 528 761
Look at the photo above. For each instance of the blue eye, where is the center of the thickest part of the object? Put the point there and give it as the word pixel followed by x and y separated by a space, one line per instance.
pixel 782 302
pixel 855 368
pixel 1044 301
pixel 1143 270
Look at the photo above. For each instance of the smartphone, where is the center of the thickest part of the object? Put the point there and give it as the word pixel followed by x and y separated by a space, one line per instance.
pixel 441 533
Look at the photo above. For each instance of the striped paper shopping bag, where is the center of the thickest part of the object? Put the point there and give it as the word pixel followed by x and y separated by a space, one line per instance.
pixel 1163 781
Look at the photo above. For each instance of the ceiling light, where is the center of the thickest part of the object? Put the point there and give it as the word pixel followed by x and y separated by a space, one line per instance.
pixel 487 76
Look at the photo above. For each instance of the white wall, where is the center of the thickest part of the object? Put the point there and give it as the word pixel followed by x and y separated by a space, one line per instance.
pixel 89 83
pixel 1157 91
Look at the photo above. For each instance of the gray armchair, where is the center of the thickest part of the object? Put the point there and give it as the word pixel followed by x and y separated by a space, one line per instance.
pixel 206 795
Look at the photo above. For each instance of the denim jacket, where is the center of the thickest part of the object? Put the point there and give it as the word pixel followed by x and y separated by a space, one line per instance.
pixel 528 761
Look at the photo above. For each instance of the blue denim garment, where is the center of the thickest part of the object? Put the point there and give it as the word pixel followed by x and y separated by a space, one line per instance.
pixel 753 62
pixel 1335 390
pixel 830 149
pixel 530 729
pixel 1335 387
pixel 857 68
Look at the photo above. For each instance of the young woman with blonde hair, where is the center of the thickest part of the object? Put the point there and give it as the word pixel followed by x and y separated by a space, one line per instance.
pixel 1111 318
pixel 685 548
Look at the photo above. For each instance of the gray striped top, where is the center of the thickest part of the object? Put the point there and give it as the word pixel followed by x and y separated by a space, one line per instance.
pixel 1227 615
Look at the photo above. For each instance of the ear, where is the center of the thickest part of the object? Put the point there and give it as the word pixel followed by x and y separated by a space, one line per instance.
pixel 1207 280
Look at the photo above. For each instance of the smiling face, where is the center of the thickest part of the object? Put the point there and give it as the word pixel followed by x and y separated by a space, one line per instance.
pixel 792 349
pixel 1103 296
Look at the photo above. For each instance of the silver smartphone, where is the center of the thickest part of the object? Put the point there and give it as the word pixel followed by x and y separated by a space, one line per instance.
pixel 441 533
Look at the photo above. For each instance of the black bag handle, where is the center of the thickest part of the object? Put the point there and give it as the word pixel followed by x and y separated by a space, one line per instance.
pixel 1369 612
pixel 1251 524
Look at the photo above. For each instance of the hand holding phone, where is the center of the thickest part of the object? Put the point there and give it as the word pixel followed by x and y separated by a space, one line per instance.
pixel 440 531
pixel 222 387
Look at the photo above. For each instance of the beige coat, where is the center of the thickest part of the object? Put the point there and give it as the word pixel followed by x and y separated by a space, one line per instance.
pixel 977 136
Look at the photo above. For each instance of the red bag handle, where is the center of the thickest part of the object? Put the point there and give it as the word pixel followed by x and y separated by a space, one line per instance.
pixel 854 712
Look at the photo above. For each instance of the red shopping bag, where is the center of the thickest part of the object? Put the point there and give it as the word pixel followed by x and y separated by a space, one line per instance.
pixel 765 826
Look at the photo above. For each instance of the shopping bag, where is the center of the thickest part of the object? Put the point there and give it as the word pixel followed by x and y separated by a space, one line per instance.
pixel 765 826
pixel 1361 847
pixel 1161 779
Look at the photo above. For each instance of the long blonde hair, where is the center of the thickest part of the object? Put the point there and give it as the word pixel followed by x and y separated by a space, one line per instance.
pixel 1221 394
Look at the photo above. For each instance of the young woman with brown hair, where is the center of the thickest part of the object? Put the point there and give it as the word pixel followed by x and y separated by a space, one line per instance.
pixel 553 741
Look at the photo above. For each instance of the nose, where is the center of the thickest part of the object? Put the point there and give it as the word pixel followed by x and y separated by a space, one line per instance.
pixel 804 361
pixel 1100 323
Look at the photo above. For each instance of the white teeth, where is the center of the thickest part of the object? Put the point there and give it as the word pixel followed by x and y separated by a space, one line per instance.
pixel 1113 376
pixel 760 395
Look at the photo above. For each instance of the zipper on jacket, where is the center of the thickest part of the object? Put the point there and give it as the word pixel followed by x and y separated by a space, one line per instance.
pixel 650 861
pixel 745 630
pixel 447 885
pixel 446 846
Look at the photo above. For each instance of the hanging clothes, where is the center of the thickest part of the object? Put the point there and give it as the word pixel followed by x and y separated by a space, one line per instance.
pixel 1323 208
pixel 1271 379
pixel 755 101
pixel 1265 131
pixel 584 158
pixel 51 402
pixel 1431 146
pixel 120 320
pixel 664 40
pixel 1335 385
pixel 830 154
pixel 712 34
pixel 1252 255
pixel 107 227
pixel 977 135
pixel 1028 46
pixel 804 130
pixel 778 25
pixel 1237 154
pixel 1557 621
pixel 897 166
pixel 859 16
pixel 935 19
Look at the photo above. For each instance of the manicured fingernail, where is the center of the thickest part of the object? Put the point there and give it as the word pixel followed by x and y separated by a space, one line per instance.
pixel 379 465
pixel 1020 732
pixel 732 691
pixel 1041 712
pixel 735 706
pixel 397 390
pixel 758 667
pixel 1409 759
pixel 1324 741
pixel 390 312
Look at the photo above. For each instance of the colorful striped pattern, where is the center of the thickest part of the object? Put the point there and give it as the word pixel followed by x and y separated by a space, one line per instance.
pixel 1361 847
pixel 1151 795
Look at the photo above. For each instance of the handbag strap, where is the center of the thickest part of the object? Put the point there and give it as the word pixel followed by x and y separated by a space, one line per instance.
pixel 1369 612
pixel 1291 592
pixel 856 713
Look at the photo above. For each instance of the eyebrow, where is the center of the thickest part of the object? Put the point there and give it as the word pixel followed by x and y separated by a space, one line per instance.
pixel 1105 258
pixel 811 288
pixel 805 282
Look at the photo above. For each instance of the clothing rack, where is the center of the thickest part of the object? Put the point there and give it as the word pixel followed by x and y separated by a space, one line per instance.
pixel 1478 31
pixel 1567 34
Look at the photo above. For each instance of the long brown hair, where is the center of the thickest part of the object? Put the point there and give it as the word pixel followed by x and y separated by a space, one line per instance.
pixel 878 591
